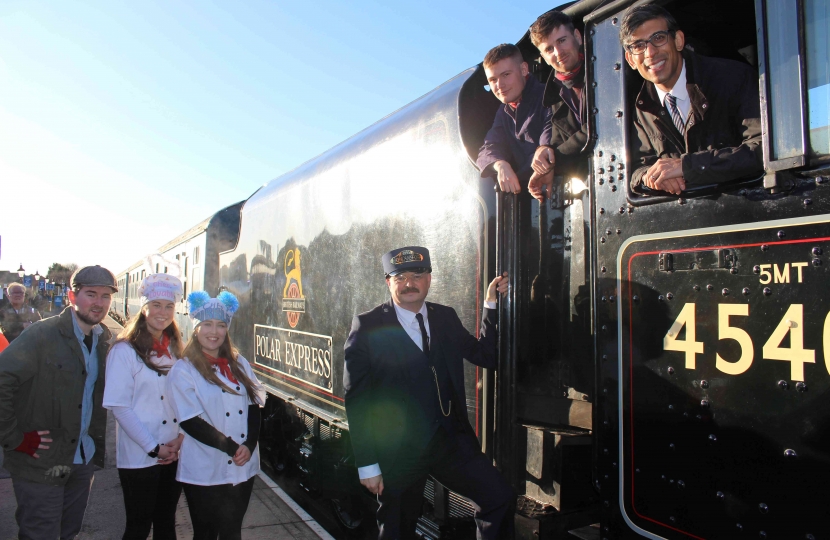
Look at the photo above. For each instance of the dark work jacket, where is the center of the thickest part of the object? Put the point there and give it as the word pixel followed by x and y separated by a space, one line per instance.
pixel 379 385
pixel 42 376
pixel 515 141
pixel 568 135
pixel 723 135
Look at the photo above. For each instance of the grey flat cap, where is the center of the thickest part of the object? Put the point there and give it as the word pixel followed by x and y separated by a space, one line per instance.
pixel 93 276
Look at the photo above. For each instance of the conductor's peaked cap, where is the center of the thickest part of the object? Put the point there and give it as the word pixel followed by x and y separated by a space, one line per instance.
pixel 406 259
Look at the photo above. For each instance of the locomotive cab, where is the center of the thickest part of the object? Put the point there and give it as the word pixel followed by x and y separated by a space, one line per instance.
pixel 708 329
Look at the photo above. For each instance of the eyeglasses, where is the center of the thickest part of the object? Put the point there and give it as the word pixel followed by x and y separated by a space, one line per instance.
pixel 657 39
pixel 408 276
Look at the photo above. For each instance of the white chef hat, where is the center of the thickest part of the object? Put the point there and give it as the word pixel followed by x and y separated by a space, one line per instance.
pixel 160 287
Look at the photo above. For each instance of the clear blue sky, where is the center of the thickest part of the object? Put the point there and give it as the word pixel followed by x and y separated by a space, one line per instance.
pixel 122 124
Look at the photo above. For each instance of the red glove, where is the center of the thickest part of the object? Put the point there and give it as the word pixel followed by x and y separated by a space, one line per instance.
pixel 31 441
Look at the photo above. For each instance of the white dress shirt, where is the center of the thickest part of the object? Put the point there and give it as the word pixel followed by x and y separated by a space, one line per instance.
pixel 137 395
pixel 413 330
pixel 681 93
pixel 194 396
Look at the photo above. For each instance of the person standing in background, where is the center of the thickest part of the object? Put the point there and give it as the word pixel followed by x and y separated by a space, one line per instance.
pixel 17 316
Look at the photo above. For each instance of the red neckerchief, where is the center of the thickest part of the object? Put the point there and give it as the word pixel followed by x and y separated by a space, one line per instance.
pixel 160 347
pixel 571 75
pixel 224 368
pixel 515 105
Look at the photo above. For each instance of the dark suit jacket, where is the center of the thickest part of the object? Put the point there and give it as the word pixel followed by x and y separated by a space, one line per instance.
pixel 515 136
pixel 375 378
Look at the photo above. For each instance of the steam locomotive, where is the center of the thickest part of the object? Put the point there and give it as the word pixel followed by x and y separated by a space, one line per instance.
pixel 664 361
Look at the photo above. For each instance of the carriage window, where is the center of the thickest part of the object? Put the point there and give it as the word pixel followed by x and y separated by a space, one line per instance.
pixel 817 18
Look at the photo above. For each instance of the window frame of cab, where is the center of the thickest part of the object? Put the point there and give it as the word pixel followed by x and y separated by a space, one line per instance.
pixel 631 83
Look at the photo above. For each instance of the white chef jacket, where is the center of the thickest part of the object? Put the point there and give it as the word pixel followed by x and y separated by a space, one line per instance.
pixel 193 396
pixel 130 383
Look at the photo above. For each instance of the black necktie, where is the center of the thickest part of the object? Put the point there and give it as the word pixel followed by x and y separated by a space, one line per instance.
pixel 424 336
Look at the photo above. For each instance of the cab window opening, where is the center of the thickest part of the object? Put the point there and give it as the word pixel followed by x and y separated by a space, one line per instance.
pixel 478 105
pixel 731 36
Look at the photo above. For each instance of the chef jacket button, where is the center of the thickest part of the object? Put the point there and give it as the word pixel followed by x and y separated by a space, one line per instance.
pixel 227 414
pixel 224 392
pixel 240 411
pixel 237 388
pixel 243 435
pixel 174 420
pixel 164 421
pixel 229 462
pixel 159 374
pixel 162 397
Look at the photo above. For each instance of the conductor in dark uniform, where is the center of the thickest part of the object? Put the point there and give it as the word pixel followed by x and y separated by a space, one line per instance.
pixel 405 401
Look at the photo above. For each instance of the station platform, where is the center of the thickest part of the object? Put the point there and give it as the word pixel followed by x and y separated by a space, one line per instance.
pixel 271 514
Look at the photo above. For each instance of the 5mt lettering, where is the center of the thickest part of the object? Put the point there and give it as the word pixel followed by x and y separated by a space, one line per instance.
pixel 792 324
pixel 780 274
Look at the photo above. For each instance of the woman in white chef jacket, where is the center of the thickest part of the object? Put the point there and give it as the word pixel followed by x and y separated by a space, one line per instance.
pixel 217 399
pixel 148 438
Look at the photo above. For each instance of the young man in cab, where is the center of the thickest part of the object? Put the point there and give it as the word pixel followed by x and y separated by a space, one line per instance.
pixel 560 44
pixel 52 424
pixel 521 124
pixel 697 118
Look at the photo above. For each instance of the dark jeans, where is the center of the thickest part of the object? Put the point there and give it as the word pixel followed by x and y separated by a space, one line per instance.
pixel 53 511
pixel 151 495
pixel 457 462
pixel 217 511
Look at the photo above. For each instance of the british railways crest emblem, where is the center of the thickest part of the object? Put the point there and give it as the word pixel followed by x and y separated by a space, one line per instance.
pixel 293 301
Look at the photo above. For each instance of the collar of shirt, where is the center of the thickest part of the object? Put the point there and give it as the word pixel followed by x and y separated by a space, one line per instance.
pixel 410 323
pixel 679 91
pixel 86 446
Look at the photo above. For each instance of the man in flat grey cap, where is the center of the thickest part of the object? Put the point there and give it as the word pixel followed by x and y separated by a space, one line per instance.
pixel 404 382
pixel 52 424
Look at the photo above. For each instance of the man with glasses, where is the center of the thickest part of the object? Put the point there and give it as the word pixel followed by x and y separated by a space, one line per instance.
pixel 697 118
pixel 16 316
pixel 405 401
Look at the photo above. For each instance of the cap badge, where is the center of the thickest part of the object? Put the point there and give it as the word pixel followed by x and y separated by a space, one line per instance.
pixel 406 256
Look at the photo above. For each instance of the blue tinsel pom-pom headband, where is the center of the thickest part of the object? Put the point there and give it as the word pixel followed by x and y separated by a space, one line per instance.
pixel 204 308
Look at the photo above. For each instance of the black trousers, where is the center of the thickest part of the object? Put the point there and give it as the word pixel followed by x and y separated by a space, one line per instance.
pixel 456 461
pixel 151 495
pixel 217 511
